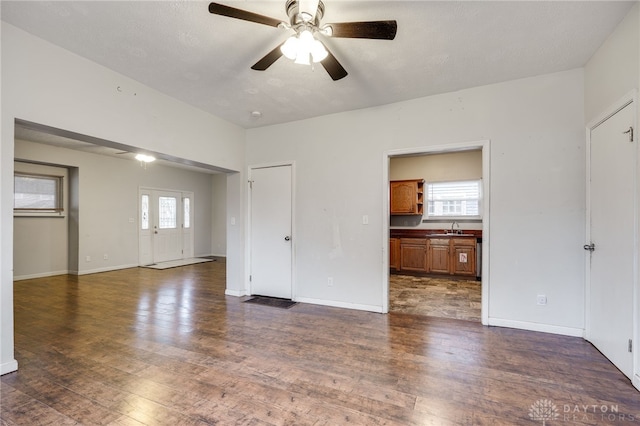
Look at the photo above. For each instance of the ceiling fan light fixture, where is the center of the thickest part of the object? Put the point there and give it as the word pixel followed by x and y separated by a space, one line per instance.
pixel 143 158
pixel 304 48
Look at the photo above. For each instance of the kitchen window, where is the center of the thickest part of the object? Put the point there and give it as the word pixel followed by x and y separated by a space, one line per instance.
pixel 456 199
pixel 37 194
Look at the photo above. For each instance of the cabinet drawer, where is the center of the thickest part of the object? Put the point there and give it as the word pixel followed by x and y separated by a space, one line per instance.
pixel 439 241
pixel 471 242
pixel 414 241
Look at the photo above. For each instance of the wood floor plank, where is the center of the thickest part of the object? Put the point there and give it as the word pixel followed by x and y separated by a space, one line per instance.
pixel 168 347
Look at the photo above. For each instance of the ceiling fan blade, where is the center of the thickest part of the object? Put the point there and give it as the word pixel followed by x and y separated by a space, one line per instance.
pixel 268 59
pixel 232 12
pixel 333 67
pixel 381 30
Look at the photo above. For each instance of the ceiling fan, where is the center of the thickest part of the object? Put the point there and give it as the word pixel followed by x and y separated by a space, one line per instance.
pixel 303 46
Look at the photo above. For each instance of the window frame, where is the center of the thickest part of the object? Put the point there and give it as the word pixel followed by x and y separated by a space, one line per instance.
pixel 57 211
pixel 428 201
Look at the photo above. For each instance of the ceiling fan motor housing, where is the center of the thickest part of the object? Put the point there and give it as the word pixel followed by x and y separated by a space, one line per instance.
pixel 296 18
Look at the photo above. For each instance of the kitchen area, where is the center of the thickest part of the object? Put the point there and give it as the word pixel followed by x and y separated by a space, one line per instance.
pixel 435 244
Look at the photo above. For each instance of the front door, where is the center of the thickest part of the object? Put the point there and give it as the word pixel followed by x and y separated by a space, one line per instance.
pixel 271 245
pixel 612 166
pixel 167 226
pixel 166 229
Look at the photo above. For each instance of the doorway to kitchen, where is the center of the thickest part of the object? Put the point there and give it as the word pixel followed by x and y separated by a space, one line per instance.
pixel 438 209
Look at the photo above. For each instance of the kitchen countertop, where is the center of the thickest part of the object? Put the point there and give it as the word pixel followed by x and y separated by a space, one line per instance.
pixel 440 233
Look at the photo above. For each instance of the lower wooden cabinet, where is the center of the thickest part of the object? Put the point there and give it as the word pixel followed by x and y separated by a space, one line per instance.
pixel 394 253
pixel 431 255
pixel 464 256
pixel 413 254
pixel 439 255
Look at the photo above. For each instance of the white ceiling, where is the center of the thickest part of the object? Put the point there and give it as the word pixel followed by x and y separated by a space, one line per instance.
pixel 182 50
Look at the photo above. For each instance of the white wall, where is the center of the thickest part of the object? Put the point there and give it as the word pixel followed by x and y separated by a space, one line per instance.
pixel 45 84
pixel 108 200
pixel 536 132
pixel 219 210
pixel 613 70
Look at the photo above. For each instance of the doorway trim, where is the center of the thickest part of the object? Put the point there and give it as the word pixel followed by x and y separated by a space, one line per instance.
pixel 629 98
pixel 248 234
pixel 484 145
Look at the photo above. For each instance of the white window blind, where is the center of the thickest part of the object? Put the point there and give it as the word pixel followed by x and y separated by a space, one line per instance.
pixel 454 199
pixel 37 193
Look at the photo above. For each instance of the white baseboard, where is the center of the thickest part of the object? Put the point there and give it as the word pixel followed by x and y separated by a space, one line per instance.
pixel 107 269
pixel 534 326
pixel 8 367
pixel 336 304
pixel 40 275
pixel 636 381
pixel 236 293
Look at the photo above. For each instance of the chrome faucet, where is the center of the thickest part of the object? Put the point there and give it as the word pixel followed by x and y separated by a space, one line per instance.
pixel 454 224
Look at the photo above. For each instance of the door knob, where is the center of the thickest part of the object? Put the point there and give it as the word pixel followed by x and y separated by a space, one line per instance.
pixel 287 238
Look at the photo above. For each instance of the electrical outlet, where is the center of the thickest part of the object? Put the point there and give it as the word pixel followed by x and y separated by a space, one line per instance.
pixel 330 281
pixel 541 299
pixel 365 219
pixel 88 258
pixel 106 256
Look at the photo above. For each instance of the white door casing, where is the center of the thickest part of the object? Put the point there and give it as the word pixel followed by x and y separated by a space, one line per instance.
pixel 271 231
pixel 612 232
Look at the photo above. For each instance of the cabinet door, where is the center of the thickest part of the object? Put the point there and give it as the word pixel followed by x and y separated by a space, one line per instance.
pixel 407 197
pixel 439 256
pixel 394 253
pixel 464 257
pixel 413 254
pixel 403 197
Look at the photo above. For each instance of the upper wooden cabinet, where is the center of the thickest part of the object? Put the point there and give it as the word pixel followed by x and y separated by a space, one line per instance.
pixel 407 197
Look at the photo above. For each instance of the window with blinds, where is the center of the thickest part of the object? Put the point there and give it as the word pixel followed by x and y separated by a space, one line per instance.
pixel 460 199
pixel 37 193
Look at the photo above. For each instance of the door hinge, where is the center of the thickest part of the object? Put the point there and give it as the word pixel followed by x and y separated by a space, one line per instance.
pixel 250 184
pixel 630 345
pixel 630 132
pixel 249 278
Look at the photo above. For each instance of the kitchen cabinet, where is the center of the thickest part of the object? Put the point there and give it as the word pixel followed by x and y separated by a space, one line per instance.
pixel 438 255
pixel 464 256
pixel 394 253
pixel 413 254
pixel 407 197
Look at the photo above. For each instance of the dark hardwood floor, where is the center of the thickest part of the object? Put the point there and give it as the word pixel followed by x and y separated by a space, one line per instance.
pixel 167 347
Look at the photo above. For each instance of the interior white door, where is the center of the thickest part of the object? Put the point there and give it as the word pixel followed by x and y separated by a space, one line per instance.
pixel 612 234
pixel 271 245
pixel 167 221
